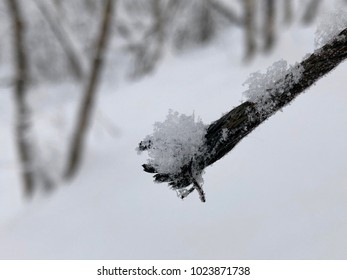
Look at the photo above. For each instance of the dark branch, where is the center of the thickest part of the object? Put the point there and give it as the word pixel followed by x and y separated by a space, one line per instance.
pixel 243 119
pixel 239 121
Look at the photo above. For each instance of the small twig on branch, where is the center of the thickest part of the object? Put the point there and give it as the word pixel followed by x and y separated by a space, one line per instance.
pixel 243 119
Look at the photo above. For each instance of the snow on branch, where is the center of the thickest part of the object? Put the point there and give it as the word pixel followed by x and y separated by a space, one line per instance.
pixel 180 148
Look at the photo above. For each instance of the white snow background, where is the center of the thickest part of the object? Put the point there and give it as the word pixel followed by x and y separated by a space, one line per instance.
pixel 280 194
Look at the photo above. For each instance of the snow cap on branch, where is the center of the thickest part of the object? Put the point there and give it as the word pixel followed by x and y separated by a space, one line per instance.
pixel 330 25
pixel 264 87
pixel 175 142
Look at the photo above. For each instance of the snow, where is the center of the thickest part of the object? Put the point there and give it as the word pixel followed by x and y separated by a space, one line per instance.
pixel 278 79
pixel 331 24
pixel 280 194
pixel 175 142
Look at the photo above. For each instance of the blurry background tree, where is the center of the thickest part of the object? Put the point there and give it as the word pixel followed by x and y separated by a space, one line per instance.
pixel 22 127
pixel 88 99
pixel 62 40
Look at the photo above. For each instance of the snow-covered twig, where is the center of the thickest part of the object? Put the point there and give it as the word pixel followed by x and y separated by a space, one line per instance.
pixel 269 94
pixel 243 119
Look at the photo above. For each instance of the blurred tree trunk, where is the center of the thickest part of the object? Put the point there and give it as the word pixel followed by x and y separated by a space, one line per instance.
pixel 84 116
pixel 205 22
pixel 57 3
pixel 158 29
pixel 269 25
pixel 22 111
pixel 249 23
pixel 288 11
pixel 311 11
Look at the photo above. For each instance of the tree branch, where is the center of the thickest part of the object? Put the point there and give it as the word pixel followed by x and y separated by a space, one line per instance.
pixel 243 119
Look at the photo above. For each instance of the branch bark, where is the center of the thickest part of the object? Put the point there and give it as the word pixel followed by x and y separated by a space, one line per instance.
pixel 243 119
pixel 84 116
pixel 20 89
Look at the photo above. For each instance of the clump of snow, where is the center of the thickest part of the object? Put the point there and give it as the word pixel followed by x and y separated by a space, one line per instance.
pixel 330 25
pixel 278 79
pixel 175 142
pixel 225 133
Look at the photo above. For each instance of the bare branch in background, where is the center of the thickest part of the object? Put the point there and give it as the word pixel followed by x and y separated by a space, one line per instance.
pixel 250 28
pixel 311 11
pixel 57 3
pixel 87 105
pixel 269 24
pixel 226 12
pixel 149 51
pixel 60 32
pixel 205 21
pixel 288 11
pixel 22 131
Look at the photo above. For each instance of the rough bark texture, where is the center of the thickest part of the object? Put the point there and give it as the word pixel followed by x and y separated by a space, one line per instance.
pixel 243 119
pixel 84 116
pixel 315 66
pixel 20 89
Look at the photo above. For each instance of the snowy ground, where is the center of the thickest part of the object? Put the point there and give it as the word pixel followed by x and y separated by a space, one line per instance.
pixel 280 194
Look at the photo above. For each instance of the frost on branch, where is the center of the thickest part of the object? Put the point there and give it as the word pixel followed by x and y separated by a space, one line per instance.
pixel 330 25
pixel 263 88
pixel 267 94
pixel 173 149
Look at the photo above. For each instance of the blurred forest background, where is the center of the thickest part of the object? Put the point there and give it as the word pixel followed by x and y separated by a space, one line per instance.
pixel 45 43
pixel 83 81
